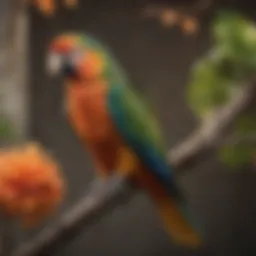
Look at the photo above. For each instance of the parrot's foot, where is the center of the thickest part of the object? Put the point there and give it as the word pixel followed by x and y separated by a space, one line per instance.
pixel 127 162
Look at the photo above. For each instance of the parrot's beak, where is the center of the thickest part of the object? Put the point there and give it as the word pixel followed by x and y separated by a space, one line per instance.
pixel 53 64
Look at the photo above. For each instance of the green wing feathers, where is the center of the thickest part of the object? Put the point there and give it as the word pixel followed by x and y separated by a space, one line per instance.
pixel 143 121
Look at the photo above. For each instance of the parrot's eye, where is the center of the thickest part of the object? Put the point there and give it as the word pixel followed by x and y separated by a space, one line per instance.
pixel 70 63
pixel 68 68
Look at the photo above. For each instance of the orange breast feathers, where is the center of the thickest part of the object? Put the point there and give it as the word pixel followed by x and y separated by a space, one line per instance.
pixel 88 115
pixel 86 106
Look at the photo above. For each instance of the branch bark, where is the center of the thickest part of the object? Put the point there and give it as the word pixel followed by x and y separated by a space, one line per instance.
pixel 106 195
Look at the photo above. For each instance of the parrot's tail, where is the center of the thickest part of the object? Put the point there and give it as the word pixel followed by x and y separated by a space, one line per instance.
pixel 178 221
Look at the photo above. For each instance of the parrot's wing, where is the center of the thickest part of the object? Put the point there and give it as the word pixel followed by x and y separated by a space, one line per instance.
pixel 139 128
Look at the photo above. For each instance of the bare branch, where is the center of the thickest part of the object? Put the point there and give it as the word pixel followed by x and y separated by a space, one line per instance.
pixel 184 15
pixel 104 194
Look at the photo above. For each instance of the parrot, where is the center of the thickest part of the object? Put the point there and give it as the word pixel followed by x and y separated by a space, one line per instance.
pixel 116 125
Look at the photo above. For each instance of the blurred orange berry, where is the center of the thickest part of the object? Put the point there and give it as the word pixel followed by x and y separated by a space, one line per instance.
pixel 189 25
pixel 169 17
pixel 48 6
pixel 31 186
pixel 71 3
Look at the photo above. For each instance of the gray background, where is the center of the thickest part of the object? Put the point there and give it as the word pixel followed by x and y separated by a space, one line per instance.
pixel 158 61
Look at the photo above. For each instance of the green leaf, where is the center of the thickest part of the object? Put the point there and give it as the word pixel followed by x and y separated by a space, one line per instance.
pixel 243 150
pixel 229 25
pixel 236 156
pixel 208 89
pixel 230 61
pixel 236 36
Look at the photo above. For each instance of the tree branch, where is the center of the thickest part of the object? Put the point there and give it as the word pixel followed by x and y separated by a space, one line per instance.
pixel 104 194
pixel 210 134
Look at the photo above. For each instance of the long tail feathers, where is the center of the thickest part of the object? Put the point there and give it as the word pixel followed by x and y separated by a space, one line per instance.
pixel 177 221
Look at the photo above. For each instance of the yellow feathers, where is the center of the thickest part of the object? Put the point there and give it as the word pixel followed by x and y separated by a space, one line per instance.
pixel 175 223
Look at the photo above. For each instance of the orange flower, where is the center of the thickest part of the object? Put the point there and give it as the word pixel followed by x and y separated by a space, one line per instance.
pixel 31 186
pixel 189 25
pixel 170 17
pixel 48 6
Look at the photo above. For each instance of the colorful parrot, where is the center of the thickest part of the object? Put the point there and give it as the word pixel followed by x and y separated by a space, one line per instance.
pixel 118 128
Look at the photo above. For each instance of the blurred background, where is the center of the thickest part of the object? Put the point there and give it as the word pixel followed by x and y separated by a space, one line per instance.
pixel 158 60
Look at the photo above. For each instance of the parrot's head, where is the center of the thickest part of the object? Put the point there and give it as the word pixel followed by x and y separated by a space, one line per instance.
pixel 75 56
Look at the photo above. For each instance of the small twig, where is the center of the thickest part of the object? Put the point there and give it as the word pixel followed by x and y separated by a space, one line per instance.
pixel 184 15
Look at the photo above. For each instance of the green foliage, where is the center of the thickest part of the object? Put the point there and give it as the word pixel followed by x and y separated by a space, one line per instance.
pixel 241 151
pixel 236 156
pixel 236 37
pixel 208 87
pixel 230 61
pixel 246 125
